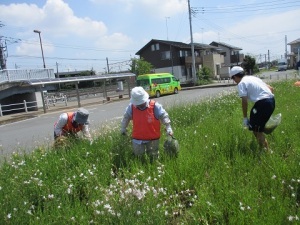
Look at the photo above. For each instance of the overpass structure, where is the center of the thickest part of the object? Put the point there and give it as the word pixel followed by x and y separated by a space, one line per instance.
pixel 30 85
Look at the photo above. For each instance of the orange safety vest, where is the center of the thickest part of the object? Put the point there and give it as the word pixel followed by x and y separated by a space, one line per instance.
pixel 145 125
pixel 68 128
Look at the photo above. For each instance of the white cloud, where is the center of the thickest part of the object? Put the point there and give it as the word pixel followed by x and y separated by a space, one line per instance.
pixel 20 14
pixel 56 18
pixel 61 20
pixel 151 8
pixel 115 41
pixel 30 49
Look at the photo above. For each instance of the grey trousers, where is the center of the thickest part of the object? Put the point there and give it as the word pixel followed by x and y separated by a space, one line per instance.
pixel 150 148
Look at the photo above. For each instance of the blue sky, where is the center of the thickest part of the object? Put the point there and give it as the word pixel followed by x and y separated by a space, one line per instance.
pixel 83 34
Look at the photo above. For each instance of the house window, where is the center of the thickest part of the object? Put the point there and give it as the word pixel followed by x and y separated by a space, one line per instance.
pixel 295 49
pixel 155 47
pixel 165 55
pixel 183 53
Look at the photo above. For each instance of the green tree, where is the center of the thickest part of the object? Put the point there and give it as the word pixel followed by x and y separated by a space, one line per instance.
pixel 249 65
pixel 204 75
pixel 140 66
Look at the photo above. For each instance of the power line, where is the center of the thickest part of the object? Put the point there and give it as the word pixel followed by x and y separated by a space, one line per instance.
pixel 246 7
pixel 79 47
pixel 62 58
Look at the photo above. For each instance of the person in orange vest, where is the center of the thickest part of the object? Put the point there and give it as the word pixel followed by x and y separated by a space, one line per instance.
pixel 147 116
pixel 70 123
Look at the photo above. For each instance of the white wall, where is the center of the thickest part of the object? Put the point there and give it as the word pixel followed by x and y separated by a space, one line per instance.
pixel 224 72
pixel 39 100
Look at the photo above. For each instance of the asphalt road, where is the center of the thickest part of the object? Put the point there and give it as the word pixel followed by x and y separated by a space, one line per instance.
pixel 24 136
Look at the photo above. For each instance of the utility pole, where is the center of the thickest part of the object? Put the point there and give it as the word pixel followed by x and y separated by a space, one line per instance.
pixel 41 44
pixel 192 46
pixel 266 65
pixel 171 56
pixel 285 47
pixel 107 65
pixel 57 75
pixel 167 27
pixel 2 55
pixel 268 58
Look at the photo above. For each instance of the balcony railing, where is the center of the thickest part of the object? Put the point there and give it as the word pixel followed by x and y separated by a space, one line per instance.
pixel 236 58
pixel 188 60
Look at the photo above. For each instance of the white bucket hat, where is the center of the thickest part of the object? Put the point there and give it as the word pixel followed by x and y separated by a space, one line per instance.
pixel 236 70
pixel 138 96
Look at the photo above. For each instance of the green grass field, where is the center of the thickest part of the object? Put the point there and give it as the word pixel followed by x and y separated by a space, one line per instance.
pixel 220 176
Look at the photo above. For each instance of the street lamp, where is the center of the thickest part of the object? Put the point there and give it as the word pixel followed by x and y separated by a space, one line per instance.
pixel 39 32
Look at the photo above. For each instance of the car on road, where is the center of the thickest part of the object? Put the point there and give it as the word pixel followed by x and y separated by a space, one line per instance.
pixel 282 65
pixel 158 84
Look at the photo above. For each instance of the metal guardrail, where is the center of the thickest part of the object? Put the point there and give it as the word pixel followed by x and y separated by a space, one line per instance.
pixel 20 106
pixel 21 75
pixel 25 105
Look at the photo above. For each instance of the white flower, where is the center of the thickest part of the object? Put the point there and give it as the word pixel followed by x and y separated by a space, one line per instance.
pixel 107 206
pixel 9 215
pixel 290 218
pixel 138 212
pixel 51 196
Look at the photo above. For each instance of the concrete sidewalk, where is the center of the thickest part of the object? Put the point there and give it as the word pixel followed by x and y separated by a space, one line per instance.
pixel 71 105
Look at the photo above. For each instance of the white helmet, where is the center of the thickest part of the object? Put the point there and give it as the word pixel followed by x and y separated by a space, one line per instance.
pixel 236 70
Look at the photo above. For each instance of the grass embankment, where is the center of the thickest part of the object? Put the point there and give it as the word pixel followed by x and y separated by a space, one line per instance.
pixel 219 177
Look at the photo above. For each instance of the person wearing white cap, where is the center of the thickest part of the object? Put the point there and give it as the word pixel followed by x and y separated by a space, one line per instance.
pixel 147 116
pixel 70 123
pixel 255 90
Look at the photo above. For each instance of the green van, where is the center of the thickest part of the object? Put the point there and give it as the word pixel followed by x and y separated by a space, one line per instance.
pixel 158 84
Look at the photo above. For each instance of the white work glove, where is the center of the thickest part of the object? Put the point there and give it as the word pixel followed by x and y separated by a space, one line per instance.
pixel 169 132
pixel 246 122
pixel 123 132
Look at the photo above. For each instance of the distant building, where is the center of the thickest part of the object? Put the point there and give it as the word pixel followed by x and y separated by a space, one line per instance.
pixel 232 55
pixel 176 58
pixel 295 52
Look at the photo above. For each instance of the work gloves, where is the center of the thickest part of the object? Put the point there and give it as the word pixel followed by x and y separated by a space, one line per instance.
pixel 246 122
pixel 123 132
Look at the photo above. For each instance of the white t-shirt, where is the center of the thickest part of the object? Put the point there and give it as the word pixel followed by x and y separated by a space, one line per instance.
pixel 254 88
